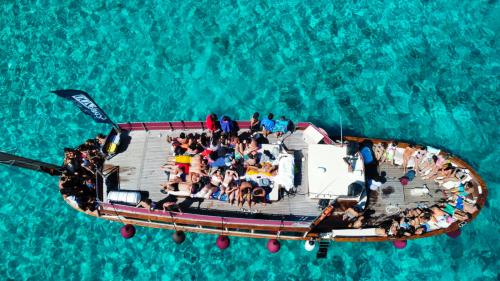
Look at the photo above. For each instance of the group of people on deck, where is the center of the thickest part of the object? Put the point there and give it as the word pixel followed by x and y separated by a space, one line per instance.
pixel 78 180
pixel 458 188
pixel 222 164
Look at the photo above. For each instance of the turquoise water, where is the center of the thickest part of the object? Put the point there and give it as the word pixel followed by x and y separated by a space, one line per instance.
pixel 425 71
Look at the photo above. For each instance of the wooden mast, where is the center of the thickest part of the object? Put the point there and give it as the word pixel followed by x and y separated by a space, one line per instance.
pixel 35 165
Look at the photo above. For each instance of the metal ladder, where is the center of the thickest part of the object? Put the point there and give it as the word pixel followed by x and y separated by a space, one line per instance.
pixel 323 249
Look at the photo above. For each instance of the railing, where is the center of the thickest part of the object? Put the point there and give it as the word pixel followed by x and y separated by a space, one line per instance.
pixel 200 125
pixel 184 125
pixel 205 220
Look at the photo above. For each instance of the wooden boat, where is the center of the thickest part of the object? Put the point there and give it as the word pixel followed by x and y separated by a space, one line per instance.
pixel 312 207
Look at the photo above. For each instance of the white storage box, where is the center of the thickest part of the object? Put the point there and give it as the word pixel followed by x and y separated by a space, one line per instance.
pixel 124 197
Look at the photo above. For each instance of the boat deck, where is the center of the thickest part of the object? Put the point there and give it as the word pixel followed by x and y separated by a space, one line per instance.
pixel 139 169
pixel 392 196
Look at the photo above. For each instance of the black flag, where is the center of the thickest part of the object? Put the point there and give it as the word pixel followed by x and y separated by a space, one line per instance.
pixel 85 103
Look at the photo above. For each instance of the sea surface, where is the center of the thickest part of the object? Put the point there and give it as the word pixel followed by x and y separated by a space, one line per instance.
pixel 424 71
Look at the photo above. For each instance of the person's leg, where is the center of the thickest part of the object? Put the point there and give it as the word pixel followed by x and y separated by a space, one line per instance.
pixel 211 190
pixel 249 198
pixel 222 191
pixel 405 163
pixel 416 162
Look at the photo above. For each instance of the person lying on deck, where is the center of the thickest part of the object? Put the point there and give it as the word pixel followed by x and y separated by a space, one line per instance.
pixel 176 173
pixel 211 187
pixel 452 178
pixel 435 168
pixel 170 204
pixel 146 204
pixel 198 166
pixel 463 190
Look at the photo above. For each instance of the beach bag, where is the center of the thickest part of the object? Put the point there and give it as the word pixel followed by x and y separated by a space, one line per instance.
pixel 410 175
pixel 404 181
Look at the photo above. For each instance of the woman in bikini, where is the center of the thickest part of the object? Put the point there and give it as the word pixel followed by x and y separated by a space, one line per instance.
pixel 197 167
pixel 252 147
pixel 229 177
pixel 406 156
pixel 438 164
pixel 418 157
pixel 389 153
pixel 211 187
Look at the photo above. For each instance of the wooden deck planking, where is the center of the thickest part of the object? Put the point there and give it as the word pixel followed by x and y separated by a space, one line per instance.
pixel 147 151
pixel 401 197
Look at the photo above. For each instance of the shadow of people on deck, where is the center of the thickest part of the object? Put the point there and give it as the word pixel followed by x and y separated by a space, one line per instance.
pixel 190 201
pixel 125 140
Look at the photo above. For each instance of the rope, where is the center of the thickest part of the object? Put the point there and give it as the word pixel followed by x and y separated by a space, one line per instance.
pixel 392 210
pixel 173 220
pixel 116 213
pixel 279 229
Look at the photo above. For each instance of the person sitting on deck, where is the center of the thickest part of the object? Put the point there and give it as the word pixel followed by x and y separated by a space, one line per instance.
pixel 259 195
pixel 389 154
pixel 254 123
pixel 101 140
pixel 232 193
pixel 238 146
pixel 281 126
pixel 245 193
pixel 229 177
pixel 251 148
pixel 226 125
pixel 182 140
pixel 212 123
pixel 268 124
pixel 380 151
